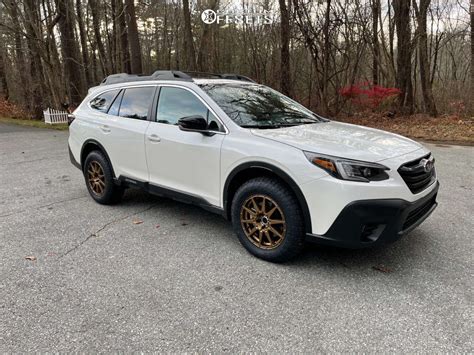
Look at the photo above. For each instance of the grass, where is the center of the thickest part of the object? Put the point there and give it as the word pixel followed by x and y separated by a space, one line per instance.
pixel 34 123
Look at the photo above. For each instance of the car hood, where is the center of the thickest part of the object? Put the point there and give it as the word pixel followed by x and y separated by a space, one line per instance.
pixel 342 140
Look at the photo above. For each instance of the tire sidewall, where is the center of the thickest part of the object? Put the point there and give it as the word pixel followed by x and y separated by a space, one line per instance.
pixel 294 238
pixel 109 192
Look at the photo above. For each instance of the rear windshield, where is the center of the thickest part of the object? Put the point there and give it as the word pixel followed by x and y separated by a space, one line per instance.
pixel 258 106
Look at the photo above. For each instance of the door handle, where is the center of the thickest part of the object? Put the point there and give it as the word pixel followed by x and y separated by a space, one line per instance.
pixel 154 138
pixel 105 128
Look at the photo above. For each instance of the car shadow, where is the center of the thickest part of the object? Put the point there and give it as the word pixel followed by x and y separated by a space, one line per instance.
pixel 390 258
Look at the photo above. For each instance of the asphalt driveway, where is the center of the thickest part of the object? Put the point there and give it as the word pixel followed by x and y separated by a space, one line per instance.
pixel 154 274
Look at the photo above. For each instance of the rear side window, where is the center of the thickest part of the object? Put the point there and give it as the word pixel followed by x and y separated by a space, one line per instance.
pixel 136 101
pixel 103 101
pixel 114 109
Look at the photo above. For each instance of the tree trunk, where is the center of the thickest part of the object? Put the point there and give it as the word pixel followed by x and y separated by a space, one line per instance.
pixel 98 37
pixel 205 51
pixel 109 48
pixel 391 36
pixel 189 53
pixel 83 38
pixel 375 41
pixel 36 86
pixel 19 55
pixel 70 53
pixel 326 55
pixel 136 54
pixel 123 38
pixel 428 99
pixel 115 59
pixel 285 80
pixel 472 56
pixel 404 52
pixel 3 74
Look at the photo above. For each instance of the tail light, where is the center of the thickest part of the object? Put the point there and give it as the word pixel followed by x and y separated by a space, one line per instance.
pixel 70 118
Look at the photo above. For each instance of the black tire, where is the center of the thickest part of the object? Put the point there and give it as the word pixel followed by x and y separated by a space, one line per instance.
pixel 273 192
pixel 110 193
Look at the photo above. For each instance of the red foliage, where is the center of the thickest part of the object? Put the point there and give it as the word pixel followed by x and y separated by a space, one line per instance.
pixel 368 95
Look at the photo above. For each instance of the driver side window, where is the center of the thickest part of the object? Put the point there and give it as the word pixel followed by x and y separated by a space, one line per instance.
pixel 175 103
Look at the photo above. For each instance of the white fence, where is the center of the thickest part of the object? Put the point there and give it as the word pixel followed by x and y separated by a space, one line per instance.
pixel 55 116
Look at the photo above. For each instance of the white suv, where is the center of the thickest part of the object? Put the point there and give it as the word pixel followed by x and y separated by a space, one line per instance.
pixel 279 172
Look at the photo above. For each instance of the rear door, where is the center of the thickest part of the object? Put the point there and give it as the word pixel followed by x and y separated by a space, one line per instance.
pixel 123 131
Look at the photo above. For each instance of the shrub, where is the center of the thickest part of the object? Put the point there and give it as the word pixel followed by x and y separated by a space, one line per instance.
pixel 369 96
pixel 10 110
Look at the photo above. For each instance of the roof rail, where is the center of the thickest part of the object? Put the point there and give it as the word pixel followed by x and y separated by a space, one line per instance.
pixel 157 75
pixel 199 74
pixel 169 75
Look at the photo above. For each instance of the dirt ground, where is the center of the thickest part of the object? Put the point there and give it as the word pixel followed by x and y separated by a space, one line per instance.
pixel 446 128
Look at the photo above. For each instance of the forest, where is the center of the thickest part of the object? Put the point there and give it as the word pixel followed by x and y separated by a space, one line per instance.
pixel 335 56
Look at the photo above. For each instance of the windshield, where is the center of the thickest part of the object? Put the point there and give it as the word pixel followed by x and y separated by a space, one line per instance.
pixel 258 106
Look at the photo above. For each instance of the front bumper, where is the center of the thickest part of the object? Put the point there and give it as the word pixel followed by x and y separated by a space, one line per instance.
pixel 371 222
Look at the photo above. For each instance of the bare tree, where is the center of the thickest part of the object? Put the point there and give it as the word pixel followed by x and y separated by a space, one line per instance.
pixel 375 40
pixel 3 75
pixel 421 12
pixel 50 49
pixel 105 66
pixel 70 51
pixel 124 52
pixel 285 81
pixel 189 52
pixel 35 88
pixel 83 39
pixel 472 53
pixel 135 49
pixel 404 53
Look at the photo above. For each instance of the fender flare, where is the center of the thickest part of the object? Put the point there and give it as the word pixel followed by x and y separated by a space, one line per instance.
pixel 101 148
pixel 278 172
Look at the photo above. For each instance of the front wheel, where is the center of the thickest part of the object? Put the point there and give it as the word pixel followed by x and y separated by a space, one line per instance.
pixel 268 220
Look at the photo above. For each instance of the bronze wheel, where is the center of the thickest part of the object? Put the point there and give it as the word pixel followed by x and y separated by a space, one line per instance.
pixel 96 178
pixel 263 222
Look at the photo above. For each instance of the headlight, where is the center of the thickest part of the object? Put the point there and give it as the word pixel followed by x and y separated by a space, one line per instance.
pixel 347 169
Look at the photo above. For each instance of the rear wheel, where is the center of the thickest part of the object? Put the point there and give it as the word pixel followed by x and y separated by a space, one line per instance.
pixel 267 219
pixel 100 180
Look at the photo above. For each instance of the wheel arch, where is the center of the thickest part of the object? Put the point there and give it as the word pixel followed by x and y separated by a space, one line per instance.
pixel 250 170
pixel 91 145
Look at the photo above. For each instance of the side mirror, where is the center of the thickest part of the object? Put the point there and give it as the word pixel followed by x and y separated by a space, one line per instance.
pixel 194 124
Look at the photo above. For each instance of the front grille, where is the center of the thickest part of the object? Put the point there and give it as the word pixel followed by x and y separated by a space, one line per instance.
pixel 415 175
pixel 418 213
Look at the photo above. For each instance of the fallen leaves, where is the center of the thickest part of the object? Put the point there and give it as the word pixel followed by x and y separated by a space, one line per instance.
pixel 9 109
pixel 382 268
pixel 30 258
pixel 450 128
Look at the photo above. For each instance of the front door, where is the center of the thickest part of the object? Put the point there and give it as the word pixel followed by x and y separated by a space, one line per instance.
pixel 187 162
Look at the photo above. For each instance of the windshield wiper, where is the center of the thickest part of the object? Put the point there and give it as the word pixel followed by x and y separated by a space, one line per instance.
pixel 277 125
pixel 260 126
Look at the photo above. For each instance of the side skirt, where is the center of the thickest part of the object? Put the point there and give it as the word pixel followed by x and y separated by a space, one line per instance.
pixel 176 195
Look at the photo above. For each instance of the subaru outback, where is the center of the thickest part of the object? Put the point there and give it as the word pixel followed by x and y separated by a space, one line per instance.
pixel 280 173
